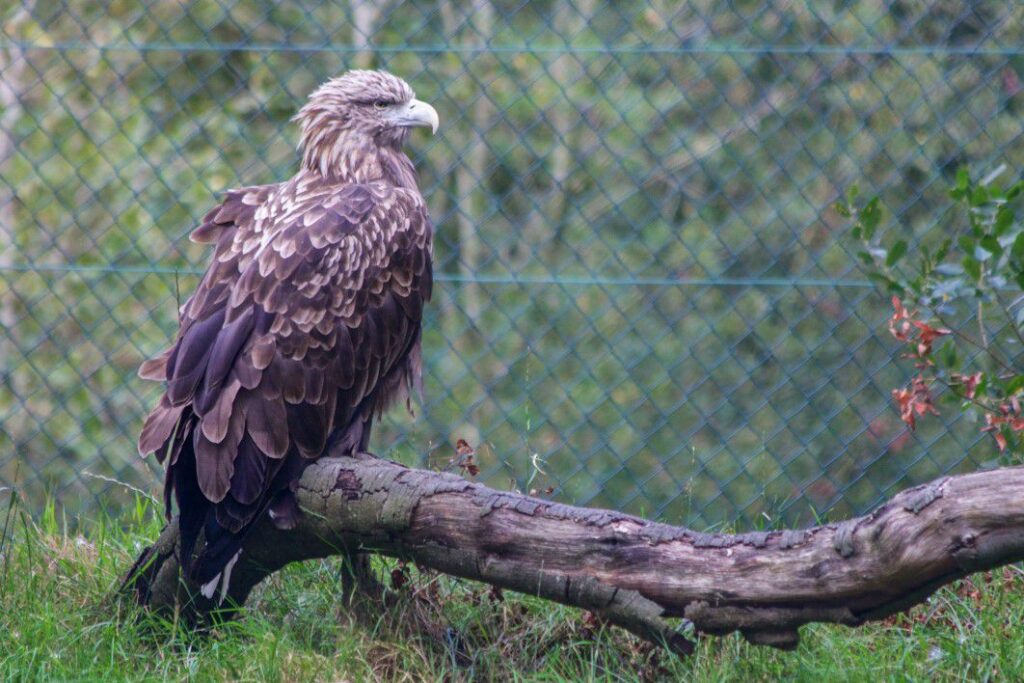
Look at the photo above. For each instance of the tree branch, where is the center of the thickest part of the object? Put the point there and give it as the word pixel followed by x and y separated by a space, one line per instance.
pixel 630 571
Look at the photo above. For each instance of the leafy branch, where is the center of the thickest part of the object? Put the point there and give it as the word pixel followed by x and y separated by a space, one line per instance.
pixel 972 277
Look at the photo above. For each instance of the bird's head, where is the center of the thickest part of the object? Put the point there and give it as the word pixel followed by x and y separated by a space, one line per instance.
pixel 362 106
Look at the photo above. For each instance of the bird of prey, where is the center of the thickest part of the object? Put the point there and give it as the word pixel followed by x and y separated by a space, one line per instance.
pixel 305 326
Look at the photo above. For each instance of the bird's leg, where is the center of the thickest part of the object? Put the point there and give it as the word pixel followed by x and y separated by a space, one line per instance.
pixel 357 575
pixel 362 594
pixel 364 438
pixel 352 441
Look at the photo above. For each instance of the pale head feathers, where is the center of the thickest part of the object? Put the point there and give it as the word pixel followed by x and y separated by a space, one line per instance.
pixel 349 119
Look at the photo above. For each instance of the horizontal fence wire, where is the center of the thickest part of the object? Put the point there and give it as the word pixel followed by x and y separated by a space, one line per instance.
pixel 481 278
pixel 702 49
pixel 644 300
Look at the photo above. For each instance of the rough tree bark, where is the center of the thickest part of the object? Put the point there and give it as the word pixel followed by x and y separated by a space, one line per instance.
pixel 631 572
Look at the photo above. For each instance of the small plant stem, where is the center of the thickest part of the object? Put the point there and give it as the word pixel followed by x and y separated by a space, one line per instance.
pixel 952 387
pixel 984 346
pixel 1009 317
pixel 981 326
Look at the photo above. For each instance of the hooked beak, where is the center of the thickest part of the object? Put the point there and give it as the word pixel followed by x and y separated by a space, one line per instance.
pixel 416 113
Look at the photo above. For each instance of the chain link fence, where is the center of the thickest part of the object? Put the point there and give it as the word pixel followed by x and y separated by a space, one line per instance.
pixel 643 299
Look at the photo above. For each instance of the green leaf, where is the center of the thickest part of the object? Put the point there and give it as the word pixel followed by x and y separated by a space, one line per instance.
pixel 943 249
pixel 979 197
pixel 1017 250
pixel 990 244
pixel 947 354
pixel 966 244
pixel 843 209
pixel 887 282
pixel 963 177
pixel 1004 220
pixel 963 182
pixel 869 216
pixel 972 267
pixel 897 252
pixel 1013 385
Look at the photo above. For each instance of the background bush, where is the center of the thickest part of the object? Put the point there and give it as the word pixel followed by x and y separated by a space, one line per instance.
pixel 643 298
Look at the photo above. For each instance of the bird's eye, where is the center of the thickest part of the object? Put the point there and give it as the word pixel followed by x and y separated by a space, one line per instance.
pixel 380 104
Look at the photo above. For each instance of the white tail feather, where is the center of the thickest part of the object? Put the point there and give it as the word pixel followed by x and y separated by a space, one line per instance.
pixel 209 589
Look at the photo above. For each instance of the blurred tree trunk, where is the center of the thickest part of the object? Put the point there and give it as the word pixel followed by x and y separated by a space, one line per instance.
pixel 548 215
pixel 471 171
pixel 365 15
pixel 12 78
pixel 447 162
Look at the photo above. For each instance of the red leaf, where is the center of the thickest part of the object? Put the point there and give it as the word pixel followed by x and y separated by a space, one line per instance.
pixel 994 424
pixel 904 399
pixel 399 577
pixel 899 326
pixel 969 382
pixel 928 335
pixel 917 400
pixel 464 452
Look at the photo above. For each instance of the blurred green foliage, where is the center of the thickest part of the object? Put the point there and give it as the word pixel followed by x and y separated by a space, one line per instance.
pixel 643 298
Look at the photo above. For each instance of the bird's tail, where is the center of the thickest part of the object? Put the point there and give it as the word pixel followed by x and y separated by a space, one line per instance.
pixel 197 514
pixel 224 526
pixel 222 547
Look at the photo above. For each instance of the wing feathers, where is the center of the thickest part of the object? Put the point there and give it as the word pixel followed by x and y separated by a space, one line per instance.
pixel 310 426
pixel 155 368
pixel 158 428
pixel 306 323
pixel 215 423
pixel 345 356
pixel 263 351
pixel 294 386
pixel 266 423
pixel 193 352
pixel 222 358
pixel 250 476
pixel 215 461
pixel 248 375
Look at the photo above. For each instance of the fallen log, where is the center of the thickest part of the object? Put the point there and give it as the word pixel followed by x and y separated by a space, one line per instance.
pixel 629 571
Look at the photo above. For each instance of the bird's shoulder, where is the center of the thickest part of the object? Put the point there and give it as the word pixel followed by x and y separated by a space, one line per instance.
pixel 237 209
pixel 322 210
pixel 334 251
pixel 249 218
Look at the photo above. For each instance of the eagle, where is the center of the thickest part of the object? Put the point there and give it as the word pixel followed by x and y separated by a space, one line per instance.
pixel 303 329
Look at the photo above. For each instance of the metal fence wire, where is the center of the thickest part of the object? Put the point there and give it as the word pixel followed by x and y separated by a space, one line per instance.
pixel 643 299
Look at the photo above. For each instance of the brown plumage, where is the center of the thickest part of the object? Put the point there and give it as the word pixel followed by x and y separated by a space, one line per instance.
pixel 305 326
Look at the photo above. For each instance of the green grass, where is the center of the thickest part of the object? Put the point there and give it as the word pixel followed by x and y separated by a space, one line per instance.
pixel 57 622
